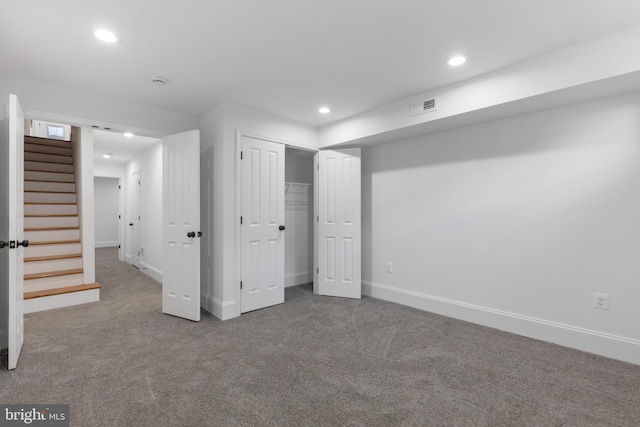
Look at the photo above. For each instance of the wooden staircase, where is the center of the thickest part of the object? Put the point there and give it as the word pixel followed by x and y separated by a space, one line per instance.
pixel 53 262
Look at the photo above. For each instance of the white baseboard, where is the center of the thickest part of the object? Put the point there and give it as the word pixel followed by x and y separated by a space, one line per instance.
pixel 600 343
pixel 295 279
pixel 58 301
pixel 222 310
pixel 106 244
pixel 151 271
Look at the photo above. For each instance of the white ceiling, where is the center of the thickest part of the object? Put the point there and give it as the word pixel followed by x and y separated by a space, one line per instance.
pixel 288 57
pixel 123 148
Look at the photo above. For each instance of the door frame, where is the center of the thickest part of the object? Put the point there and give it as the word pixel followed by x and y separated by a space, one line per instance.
pixel 238 202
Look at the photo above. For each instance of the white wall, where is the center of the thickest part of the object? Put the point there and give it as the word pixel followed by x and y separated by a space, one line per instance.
pixel 106 209
pixel 49 102
pixel 82 146
pixel 149 163
pixel 514 224
pixel 298 218
pixel 219 130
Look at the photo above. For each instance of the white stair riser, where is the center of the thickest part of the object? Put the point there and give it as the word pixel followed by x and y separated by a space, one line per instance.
pixel 50 221
pixel 48 176
pixel 51 209
pixel 37 148
pixel 61 187
pixel 52 265
pixel 49 158
pixel 43 141
pixel 46 283
pixel 47 167
pixel 50 250
pixel 50 197
pixel 51 235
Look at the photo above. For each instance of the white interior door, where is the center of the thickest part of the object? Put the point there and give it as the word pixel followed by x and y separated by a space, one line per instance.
pixel 134 221
pixel 12 231
pixel 181 223
pixel 262 222
pixel 338 220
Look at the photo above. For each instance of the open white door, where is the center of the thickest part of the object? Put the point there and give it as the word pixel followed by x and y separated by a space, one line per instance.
pixel 339 226
pixel 12 231
pixel 181 224
pixel 134 221
pixel 262 222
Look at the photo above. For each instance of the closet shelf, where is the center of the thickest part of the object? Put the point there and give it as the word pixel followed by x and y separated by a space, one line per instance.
pixel 297 187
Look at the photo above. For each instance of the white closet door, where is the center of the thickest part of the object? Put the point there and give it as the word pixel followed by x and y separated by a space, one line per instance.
pixel 262 251
pixel 339 225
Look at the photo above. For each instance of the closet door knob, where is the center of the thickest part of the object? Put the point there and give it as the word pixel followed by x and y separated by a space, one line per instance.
pixel 281 228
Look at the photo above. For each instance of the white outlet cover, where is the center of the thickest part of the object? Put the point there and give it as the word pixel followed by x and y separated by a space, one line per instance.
pixel 601 301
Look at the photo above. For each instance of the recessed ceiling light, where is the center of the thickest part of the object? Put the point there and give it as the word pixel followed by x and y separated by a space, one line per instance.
pixel 454 61
pixel 106 36
pixel 128 134
pixel 324 110
pixel 107 155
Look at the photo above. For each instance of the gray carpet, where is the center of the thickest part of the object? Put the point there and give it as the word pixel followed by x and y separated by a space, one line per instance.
pixel 311 361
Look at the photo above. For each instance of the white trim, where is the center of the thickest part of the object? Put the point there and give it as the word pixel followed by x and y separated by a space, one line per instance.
pixel 295 279
pixel 221 310
pixel 601 343
pixel 151 271
pixel 106 244
pixel 35 305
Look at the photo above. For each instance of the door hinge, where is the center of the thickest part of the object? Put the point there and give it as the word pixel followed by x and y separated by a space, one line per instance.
pixel 118 246
pixel 119 187
pixel 241 155
pixel 318 218
pixel 241 285
pixel 119 217
pixel 318 167
pixel 317 270
pixel 240 220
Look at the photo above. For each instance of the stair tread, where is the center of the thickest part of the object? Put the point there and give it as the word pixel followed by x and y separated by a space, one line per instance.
pixel 52 257
pixel 49 191
pixel 55 242
pixel 51 228
pixel 50 203
pixel 49 215
pixel 38 170
pixel 49 154
pixel 60 291
pixel 53 274
pixel 49 180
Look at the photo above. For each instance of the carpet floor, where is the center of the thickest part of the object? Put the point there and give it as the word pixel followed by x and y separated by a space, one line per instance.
pixel 312 361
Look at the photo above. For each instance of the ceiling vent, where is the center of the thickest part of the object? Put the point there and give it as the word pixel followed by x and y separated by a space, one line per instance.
pixel 422 107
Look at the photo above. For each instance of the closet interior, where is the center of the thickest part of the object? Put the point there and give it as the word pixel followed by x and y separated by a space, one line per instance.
pixel 298 265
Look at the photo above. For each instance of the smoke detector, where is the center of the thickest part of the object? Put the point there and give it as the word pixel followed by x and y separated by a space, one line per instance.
pixel 158 81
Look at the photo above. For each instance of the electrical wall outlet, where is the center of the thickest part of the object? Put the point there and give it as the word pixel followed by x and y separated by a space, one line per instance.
pixel 601 301
pixel 389 267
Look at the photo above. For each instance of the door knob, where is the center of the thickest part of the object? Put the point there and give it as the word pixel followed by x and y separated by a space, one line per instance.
pixel 24 243
pixel 281 228
pixel 191 234
pixel 131 224
pixel 3 244
pixel 199 233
